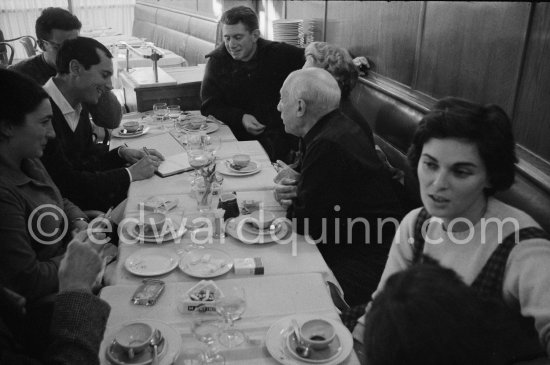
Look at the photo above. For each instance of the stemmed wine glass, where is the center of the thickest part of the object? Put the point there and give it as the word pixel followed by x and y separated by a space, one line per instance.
pixel 212 144
pixel 231 307
pixel 205 330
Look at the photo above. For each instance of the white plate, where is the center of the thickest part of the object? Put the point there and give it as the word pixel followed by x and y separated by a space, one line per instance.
pixel 252 166
pixel 252 229
pixel 118 134
pixel 210 128
pixel 276 341
pixel 151 262
pixel 172 341
pixel 236 228
pixel 172 233
pixel 316 356
pixel 223 169
pixel 192 263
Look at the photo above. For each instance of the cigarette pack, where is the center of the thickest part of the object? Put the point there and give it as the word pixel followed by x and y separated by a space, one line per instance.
pixel 248 266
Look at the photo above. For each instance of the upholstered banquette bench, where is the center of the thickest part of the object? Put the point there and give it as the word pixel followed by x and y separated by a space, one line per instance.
pixel 394 112
pixel 189 35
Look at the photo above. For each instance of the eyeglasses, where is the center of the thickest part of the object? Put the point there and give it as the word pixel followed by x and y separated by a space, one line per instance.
pixel 54 45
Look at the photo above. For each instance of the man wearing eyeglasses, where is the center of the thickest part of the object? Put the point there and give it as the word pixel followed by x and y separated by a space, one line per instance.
pixel 53 27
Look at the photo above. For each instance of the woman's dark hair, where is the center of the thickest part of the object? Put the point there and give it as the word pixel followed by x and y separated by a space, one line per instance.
pixel 19 96
pixel 55 18
pixel 241 14
pixel 82 49
pixel 427 315
pixel 487 126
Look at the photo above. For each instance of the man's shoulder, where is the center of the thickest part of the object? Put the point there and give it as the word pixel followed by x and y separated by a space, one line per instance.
pixel 35 68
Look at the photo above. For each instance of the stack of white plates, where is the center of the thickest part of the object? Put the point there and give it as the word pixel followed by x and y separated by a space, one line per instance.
pixel 290 31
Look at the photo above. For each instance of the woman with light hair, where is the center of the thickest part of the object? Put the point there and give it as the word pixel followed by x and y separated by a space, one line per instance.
pixel 338 62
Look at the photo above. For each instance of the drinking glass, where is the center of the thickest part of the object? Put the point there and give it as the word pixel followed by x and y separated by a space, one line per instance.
pixel 205 329
pixel 160 110
pixel 190 356
pixel 212 144
pixel 231 307
pixel 174 112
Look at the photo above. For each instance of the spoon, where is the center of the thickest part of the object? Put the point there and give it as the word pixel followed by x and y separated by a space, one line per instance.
pixel 302 349
pixel 156 341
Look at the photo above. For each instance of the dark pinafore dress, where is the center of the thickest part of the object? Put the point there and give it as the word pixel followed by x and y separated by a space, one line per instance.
pixel 488 285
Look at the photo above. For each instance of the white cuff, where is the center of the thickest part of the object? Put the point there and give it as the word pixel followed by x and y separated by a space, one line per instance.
pixel 129 174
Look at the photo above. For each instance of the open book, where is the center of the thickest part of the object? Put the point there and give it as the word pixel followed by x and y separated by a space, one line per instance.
pixel 174 164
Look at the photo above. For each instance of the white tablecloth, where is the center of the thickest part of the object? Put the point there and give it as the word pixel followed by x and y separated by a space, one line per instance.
pixel 268 298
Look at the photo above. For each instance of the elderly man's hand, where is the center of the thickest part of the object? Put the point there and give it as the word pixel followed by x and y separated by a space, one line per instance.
pixel 132 156
pixel 79 268
pixel 285 191
pixel 252 125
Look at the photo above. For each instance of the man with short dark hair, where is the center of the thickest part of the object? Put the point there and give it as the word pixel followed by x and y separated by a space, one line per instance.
pixel 242 81
pixel 85 173
pixel 53 27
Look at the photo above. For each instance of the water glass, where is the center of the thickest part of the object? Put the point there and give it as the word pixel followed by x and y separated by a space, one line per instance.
pixel 206 329
pixel 192 356
pixel 160 110
pixel 174 112
pixel 231 307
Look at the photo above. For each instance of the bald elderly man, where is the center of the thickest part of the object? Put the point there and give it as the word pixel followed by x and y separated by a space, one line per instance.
pixel 340 179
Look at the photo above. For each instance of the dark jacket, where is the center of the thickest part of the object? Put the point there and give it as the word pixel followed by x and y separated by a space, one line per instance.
pixel 232 88
pixel 86 173
pixel 72 335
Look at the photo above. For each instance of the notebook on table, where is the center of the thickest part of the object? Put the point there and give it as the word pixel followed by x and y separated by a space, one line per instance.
pixel 173 165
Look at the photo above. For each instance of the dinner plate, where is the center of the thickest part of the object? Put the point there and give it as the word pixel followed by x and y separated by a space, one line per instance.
pixel 206 263
pixel 237 228
pixel 118 133
pixel 222 168
pixel 277 337
pixel 151 262
pixel 251 167
pixel 172 232
pixel 170 348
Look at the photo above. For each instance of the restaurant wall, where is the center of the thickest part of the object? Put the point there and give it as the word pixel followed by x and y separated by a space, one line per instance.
pixel 489 52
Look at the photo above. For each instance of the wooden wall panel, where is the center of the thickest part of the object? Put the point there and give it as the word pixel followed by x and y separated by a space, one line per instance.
pixel 532 117
pixel 386 32
pixel 473 50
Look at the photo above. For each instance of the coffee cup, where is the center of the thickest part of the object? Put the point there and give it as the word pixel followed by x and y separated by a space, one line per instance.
pixel 241 160
pixel 131 126
pixel 262 219
pixel 153 221
pixel 134 338
pixel 317 333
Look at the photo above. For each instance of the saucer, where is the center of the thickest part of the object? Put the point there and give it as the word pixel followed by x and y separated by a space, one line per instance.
pixel 250 228
pixel 277 336
pixel 171 347
pixel 118 355
pixel 207 128
pixel 251 167
pixel 172 232
pixel 237 228
pixel 206 263
pixel 223 168
pixel 316 356
pixel 128 133
pixel 118 133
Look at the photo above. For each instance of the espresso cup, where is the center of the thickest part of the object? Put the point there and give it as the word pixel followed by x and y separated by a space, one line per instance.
pixel 153 221
pixel 131 126
pixel 262 219
pixel 241 160
pixel 134 338
pixel 317 333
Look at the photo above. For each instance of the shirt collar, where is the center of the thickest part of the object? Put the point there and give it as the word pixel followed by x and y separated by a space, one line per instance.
pixel 59 99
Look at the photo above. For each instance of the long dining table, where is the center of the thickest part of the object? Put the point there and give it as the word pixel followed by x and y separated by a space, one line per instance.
pixel 293 284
